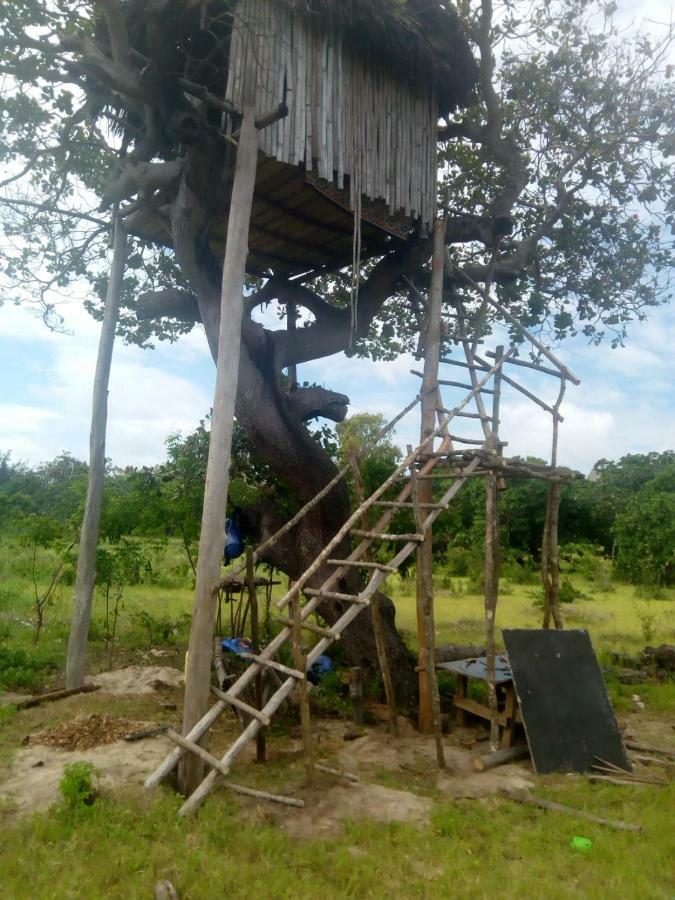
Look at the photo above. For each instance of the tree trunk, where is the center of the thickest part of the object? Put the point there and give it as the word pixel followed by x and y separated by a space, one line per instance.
pixel 275 429
pixel 86 561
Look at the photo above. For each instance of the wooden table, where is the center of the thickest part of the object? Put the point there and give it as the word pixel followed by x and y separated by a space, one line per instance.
pixel 476 667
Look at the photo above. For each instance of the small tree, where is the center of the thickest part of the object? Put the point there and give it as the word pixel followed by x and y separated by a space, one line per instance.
pixel 118 566
pixel 42 534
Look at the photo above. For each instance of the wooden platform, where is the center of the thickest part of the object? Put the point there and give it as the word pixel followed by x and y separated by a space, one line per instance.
pixel 298 224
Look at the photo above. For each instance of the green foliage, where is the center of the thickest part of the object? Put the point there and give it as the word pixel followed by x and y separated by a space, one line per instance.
pixel 645 536
pixel 77 785
pixel 21 670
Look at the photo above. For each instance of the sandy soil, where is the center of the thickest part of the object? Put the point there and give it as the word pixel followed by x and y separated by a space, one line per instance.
pixel 137 679
pixel 325 812
pixel 37 770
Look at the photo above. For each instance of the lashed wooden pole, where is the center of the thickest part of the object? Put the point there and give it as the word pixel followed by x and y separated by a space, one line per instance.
pixel 429 702
pixel 212 537
pixel 86 561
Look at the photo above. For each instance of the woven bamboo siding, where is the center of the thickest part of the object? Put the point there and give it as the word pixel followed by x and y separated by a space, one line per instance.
pixel 347 117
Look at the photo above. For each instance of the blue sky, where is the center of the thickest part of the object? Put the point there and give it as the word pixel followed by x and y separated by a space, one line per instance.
pixel 625 404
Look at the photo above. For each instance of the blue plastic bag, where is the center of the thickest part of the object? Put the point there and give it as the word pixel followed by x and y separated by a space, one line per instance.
pixel 234 544
pixel 322 666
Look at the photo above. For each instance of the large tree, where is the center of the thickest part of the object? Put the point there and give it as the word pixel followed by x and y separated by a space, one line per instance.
pixel 555 184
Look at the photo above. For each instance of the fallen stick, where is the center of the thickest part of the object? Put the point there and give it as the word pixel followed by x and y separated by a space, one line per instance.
pixel 50 696
pixel 146 733
pixel 580 813
pixel 653 761
pixel 340 774
pixel 499 757
pixel 643 748
pixel 218 766
pixel 609 779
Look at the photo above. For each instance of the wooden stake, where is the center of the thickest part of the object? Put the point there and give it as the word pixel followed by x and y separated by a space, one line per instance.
pixel 255 640
pixel 212 539
pixel 86 560
pixel 356 694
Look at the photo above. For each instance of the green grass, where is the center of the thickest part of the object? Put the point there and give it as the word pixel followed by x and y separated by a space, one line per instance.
pixel 615 619
pixel 122 845
pixel 127 841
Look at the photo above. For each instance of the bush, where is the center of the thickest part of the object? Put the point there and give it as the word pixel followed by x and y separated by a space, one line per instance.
pixel 460 562
pixel 19 670
pixel 77 786
pixel 568 593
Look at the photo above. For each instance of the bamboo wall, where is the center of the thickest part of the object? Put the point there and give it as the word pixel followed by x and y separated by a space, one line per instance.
pixel 347 116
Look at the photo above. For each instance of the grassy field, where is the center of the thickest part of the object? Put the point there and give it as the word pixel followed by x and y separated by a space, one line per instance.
pixel 127 840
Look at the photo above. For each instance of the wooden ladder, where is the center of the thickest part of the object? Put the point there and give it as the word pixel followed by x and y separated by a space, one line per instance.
pixel 420 462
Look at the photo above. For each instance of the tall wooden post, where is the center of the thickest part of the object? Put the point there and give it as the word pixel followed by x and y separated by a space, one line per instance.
pixel 429 703
pixel 212 537
pixel 492 559
pixel 86 560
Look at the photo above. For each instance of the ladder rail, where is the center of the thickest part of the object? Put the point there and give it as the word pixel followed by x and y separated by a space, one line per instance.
pixel 247 677
pixel 355 518
pixel 273 704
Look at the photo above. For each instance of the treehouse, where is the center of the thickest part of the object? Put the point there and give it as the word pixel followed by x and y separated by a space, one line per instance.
pixel 364 83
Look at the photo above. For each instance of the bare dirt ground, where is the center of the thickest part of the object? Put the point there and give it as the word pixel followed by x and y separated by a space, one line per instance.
pixel 137 679
pixel 398 778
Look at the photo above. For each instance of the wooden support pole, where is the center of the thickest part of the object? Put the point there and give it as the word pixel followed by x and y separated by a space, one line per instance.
pixel 212 538
pixel 255 640
pixel 550 562
pixel 300 662
pixel 491 595
pixel 356 694
pixel 429 700
pixel 86 560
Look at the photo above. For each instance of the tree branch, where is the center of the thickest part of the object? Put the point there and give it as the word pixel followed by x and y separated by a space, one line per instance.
pixel 136 176
pixel 170 303
pixel 117 29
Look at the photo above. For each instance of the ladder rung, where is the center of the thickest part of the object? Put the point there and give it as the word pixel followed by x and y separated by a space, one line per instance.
pixel 315 629
pixel 406 504
pixel 361 564
pixel 336 595
pixel 383 536
pixel 244 707
pixel 464 415
pixel 273 664
pixel 456 439
pixel 459 384
pixel 467 387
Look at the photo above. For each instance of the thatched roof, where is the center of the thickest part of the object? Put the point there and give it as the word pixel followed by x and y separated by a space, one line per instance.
pixel 421 35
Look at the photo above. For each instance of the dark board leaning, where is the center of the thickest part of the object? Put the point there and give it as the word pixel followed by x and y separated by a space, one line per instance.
pixel 568 718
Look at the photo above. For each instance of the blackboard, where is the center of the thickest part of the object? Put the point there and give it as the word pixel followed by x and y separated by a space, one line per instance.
pixel 568 718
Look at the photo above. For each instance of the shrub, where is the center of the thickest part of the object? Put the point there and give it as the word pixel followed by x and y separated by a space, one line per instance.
pixel 19 670
pixel 77 787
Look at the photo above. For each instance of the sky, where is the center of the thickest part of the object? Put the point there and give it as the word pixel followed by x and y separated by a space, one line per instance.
pixel 625 403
